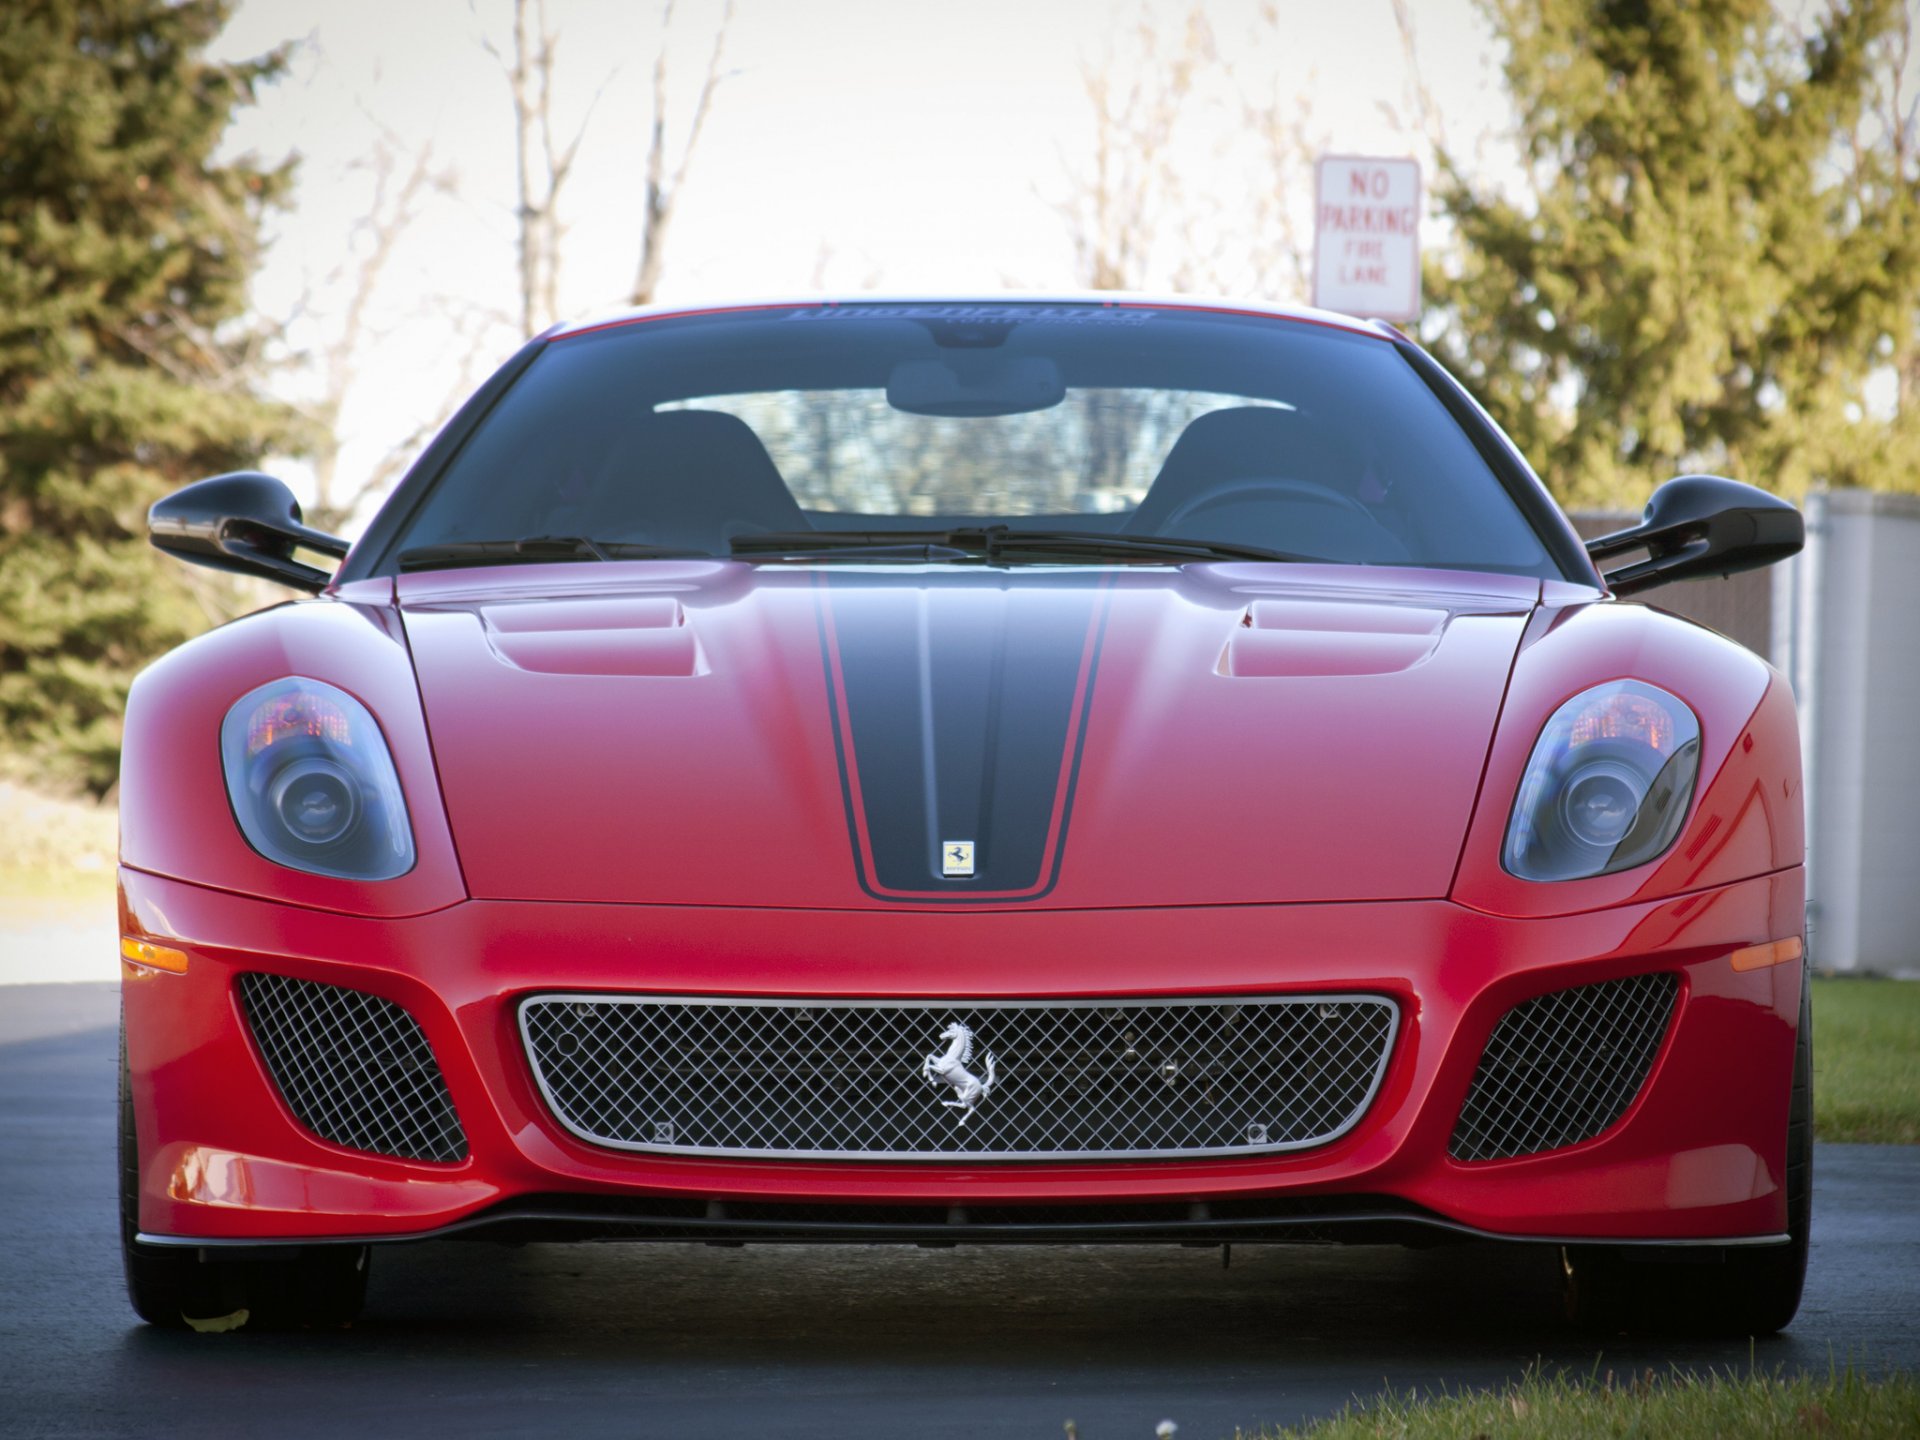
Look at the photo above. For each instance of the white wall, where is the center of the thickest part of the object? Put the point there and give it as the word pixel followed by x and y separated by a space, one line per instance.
pixel 1848 611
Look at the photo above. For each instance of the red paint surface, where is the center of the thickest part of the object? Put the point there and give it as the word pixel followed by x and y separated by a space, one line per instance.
pixel 1700 1155
pixel 1195 786
pixel 622 829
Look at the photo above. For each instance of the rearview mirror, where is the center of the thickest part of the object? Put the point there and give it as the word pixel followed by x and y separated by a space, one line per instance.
pixel 245 522
pixel 1700 525
pixel 975 385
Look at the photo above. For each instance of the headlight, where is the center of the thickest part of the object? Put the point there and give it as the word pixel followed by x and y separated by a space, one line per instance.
pixel 312 784
pixel 1607 786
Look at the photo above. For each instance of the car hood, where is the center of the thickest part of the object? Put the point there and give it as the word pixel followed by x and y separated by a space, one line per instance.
pixel 717 733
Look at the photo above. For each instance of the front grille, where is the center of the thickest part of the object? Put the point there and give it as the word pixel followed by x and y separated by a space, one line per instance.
pixel 1071 1079
pixel 354 1068
pixel 1562 1068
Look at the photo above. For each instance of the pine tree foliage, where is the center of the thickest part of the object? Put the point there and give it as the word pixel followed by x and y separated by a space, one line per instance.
pixel 1716 250
pixel 125 252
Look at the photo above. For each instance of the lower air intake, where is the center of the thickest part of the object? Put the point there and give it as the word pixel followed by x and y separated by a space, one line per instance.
pixel 1564 1067
pixel 354 1068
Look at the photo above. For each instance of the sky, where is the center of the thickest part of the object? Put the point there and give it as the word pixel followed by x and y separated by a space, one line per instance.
pixel 898 145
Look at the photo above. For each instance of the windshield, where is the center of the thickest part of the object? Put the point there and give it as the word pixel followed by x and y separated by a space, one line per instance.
pixel 747 432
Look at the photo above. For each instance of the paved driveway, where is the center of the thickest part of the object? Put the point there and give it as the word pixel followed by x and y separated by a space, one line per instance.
pixel 475 1340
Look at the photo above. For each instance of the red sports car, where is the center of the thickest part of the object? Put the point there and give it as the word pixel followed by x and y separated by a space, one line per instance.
pixel 953 772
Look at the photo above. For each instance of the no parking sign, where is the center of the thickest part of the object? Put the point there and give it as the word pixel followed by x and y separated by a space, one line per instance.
pixel 1366 236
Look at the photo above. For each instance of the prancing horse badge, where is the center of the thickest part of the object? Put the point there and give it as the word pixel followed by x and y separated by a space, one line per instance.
pixel 956 858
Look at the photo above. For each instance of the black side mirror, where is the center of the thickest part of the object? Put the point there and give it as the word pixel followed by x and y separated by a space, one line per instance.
pixel 245 522
pixel 1702 525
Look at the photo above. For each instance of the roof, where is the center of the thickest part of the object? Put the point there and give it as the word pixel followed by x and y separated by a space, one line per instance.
pixel 1118 298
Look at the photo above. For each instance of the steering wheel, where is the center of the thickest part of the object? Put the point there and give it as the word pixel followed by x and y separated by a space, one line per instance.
pixel 1266 485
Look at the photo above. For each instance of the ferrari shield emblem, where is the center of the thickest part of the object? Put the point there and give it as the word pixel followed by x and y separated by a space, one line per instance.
pixel 956 858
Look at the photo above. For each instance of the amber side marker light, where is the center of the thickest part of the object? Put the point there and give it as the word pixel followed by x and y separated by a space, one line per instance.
pixel 154 957
pixel 1759 957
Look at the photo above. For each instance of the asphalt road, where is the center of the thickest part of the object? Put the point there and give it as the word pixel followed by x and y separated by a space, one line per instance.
pixel 574 1340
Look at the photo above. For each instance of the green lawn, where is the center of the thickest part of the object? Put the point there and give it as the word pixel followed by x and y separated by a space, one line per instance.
pixel 24 893
pixel 1675 1407
pixel 53 852
pixel 1866 1060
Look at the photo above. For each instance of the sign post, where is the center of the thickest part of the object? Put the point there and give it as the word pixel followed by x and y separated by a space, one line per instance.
pixel 1366 236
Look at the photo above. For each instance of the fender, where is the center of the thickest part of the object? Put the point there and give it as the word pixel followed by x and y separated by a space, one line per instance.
pixel 1748 815
pixel 175 820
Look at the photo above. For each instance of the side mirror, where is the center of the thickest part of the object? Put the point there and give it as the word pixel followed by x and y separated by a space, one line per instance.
pixel 245 522
pixel 1701 525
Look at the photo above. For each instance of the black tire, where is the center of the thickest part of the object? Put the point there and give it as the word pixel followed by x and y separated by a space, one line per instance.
pixel 321 1287
pixel 1714 1291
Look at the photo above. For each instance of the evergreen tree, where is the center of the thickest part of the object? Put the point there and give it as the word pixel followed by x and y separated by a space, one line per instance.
pixel 125 253
pixel 1717 244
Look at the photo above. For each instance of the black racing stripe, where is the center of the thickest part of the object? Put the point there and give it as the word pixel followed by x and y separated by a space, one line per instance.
pixel 827 649
pixel 960 703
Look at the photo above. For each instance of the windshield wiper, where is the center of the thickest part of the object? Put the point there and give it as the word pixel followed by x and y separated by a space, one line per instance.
pixel 1001 540
pixel 537 548
pixel 992 542
pixel 876 544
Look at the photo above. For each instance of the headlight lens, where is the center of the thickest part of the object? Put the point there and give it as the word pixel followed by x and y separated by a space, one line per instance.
pixel 1607 786
pixel 312 783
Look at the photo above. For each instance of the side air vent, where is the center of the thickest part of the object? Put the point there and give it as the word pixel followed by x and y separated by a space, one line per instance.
pixel 356 1069
pixel 1562 1068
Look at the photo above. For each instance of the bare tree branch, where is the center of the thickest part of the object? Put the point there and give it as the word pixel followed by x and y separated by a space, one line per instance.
pixel 1139 95
pixel 519 72
pixel 663 192
pixel 1168 102
pixel 1281 263
pixel 399 192
pixel 1426 113
pixel 542 161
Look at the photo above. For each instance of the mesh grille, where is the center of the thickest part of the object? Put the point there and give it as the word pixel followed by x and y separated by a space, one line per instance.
pixel 354 1068
pixel 1070 1079
pixel 1562 1068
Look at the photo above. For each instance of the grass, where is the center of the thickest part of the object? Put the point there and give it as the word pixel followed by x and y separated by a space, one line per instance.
pixel 55 853
pixel 1676 1406
pixel 1866 1061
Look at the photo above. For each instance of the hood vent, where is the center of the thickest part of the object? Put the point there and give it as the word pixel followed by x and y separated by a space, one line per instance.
pixel 1282 639
pixel 636 635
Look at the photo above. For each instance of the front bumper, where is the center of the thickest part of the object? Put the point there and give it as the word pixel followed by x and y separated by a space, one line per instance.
pixel 1700 1155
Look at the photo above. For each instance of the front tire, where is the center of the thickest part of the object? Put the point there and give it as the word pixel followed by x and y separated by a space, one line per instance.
pixel 321 1287
pixel 1714 1291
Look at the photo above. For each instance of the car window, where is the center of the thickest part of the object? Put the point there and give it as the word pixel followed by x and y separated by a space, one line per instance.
pixel 850 452
pixel 692 432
